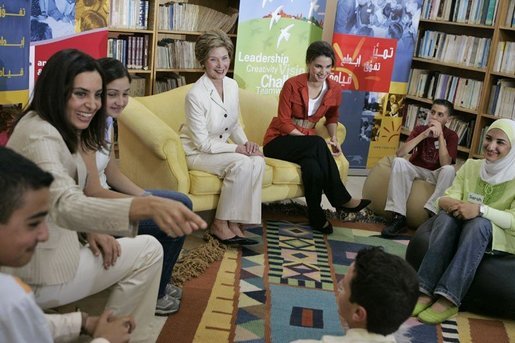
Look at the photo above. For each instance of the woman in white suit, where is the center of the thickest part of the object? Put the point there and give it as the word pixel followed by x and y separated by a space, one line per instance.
pixel 212 114
pixel 66 114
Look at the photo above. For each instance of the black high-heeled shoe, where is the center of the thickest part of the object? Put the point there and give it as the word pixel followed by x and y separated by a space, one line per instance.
pixel 327 229
pixel 362 204
pixel 228 241
pixel 236 240
pixel 247 241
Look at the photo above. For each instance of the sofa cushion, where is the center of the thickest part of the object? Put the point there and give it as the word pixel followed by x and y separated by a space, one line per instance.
pixel 268 176
pixel 202 183
pixel 285 173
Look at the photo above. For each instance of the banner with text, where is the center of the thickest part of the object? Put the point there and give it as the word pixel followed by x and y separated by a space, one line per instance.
pixel 14 51
pixel 374 43
pixel 272 40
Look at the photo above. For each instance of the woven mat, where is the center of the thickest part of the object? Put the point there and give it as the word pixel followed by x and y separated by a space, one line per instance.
pixel 283 289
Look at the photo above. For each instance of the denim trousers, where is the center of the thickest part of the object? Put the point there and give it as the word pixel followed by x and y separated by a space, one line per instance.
pixel 171 246
pixel 456 248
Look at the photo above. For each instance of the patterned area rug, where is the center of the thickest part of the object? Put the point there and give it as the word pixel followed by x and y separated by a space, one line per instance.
pixel 283 290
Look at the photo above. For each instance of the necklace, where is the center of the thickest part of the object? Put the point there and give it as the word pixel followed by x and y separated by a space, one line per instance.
pixel 314 90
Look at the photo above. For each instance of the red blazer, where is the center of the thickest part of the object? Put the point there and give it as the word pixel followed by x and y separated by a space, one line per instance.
pixel 293 103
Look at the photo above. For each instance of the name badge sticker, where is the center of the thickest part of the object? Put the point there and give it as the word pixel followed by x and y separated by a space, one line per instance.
pixel 475 198
pixel 437 144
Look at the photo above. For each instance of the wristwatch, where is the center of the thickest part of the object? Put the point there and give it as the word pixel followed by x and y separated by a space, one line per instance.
pixel 482 210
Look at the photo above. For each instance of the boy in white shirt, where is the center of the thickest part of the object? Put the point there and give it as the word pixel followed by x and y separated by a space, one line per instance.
pixel 377 294
pixel 24 204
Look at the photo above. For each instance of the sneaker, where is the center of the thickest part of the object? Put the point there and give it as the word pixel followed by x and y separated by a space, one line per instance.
pixel 397 226
pixel 167 305
pixel 173 291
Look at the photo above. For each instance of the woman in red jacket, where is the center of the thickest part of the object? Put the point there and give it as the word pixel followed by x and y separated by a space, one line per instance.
pixel 291 135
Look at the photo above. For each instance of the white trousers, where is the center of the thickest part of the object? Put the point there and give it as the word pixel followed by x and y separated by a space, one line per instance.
pixel 134 277
pixel 402 177
pixel 240 197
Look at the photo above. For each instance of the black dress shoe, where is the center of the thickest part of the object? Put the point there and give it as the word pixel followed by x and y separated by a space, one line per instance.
pixel 396 227
pixel 229 241
pixel 362 204
pixel 327 229
pixel 236 240
pixel 246 241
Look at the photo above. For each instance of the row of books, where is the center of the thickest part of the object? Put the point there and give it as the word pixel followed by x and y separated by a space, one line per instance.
pixel 137 86
pixel 165 83
pixel 181 16
pixel 461 11
pixel 131 50
pixel 129 14
pixel 415 116
pixel 510 15
pixel 505 57
pixel 176 53
pixel 502 99
pixel 432 84
pixel 464 129
pixel 459 49
pixel 484 130
pixel 419 115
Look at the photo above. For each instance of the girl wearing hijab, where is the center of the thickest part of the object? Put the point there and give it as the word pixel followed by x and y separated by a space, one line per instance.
pixel 477 217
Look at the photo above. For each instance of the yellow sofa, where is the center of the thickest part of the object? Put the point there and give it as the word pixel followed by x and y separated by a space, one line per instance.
pixel 151 153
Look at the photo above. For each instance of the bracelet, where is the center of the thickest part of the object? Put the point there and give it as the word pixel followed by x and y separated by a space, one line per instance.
pixel 146 194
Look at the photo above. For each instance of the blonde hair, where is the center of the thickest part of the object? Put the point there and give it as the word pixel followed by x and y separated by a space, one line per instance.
pixel 210 40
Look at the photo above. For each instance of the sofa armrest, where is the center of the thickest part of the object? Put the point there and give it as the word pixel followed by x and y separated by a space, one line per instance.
pixel 148 145
pixel 341 133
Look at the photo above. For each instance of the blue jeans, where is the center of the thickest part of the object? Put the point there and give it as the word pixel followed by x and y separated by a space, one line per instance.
pixel 171 246
pixel 456 247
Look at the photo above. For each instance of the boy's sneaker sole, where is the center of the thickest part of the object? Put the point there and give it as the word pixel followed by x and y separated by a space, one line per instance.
pixel 167 305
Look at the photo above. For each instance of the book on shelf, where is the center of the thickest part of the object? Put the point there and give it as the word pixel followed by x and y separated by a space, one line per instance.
pixel 492 11
pixel 484 130
pixel 510 15
pixel 171 81
pixel 131 50
pixel 499 97
pixel 499 54
pixel 176 53
pixel 415 116
pixel 137 86
pixel 428 84
pixel 461 127
pixel 457 49
pixel 507 64
pixel 131 14
pixel 180 16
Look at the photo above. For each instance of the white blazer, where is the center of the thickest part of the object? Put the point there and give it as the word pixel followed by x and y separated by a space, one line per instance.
pixel 56 260
pixel 210 122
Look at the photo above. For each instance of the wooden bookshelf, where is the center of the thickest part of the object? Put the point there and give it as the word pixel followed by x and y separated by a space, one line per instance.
pixel 476 109
pixel 154 69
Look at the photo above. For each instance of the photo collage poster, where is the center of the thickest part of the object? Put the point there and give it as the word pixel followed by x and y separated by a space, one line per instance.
pixel 374 42
pixel 273 36
pixel 64 24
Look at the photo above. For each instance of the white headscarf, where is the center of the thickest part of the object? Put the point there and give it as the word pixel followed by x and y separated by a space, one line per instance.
pixel 504 169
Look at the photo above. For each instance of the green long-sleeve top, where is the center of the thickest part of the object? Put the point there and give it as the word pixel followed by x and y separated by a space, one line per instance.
pixel 499 201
